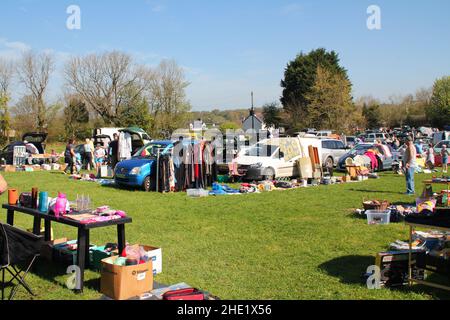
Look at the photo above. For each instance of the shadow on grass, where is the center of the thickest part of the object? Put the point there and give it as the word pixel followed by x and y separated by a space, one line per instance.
pixel 48 271
pixel 375 191
pixel 349 269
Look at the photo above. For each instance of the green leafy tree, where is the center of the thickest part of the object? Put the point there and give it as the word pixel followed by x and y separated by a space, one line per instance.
pixel 372 114
pixel 330 104
pixel 272 115
pixel 76 116
pixel 439 111
pixel 229 126
pixel 299 79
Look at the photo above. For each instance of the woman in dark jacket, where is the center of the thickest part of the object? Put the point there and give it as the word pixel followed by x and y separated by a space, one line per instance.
pixel 69 156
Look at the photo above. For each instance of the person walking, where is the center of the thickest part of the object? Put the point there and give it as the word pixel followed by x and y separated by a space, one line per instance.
pixel 69 156
pixel 444 155
pixel 410 166
pixel 88 154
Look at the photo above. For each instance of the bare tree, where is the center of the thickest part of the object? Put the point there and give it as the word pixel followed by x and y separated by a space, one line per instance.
pixel 102 79
pixel 168 98
pixel 34 71
pixel 6 75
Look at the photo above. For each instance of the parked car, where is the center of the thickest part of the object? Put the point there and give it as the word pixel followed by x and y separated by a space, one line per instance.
pixel 388 155
pixel 350 141
pixel 372 137
pixel 35 139
pixel 140 170
pixel 332 151
pixel 275 158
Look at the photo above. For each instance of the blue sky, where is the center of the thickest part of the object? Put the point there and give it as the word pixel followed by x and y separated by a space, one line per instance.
pixel 232 47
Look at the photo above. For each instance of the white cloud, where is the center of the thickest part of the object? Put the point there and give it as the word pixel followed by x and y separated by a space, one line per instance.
pixel 12 49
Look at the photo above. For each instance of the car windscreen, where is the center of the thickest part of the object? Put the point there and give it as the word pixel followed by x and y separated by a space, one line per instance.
pixel 261 150
pixel 150 150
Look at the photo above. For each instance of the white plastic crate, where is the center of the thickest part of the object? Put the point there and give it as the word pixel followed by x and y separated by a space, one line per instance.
pixel 378 217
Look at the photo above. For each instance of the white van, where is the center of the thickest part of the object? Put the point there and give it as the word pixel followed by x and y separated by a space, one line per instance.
pixel 275 158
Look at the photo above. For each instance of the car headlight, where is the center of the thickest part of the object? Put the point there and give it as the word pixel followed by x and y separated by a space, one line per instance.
pixel 256 165
pixel 135 171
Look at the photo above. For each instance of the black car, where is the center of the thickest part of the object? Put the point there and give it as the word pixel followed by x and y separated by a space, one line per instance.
pixel 33 138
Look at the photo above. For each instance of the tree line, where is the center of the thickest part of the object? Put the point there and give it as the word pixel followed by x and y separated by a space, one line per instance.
pixel 317 93
pixel 107 89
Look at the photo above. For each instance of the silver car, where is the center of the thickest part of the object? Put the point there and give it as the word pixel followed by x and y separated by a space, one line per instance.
pixel 332 151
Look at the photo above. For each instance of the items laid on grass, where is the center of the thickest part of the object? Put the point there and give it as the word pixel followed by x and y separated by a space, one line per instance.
pixel 32 168
pixel 430 251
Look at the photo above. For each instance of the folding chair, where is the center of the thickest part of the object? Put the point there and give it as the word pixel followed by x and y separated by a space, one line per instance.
pixel 18 252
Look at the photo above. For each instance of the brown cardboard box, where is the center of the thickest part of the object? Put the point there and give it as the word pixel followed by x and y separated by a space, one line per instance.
pixel 8 168
pixel 47 248
pixel 125 282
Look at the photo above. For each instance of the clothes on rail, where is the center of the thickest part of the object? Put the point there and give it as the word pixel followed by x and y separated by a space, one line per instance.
pixel 192 166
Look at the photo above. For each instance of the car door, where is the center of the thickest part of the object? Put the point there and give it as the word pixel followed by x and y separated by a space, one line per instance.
pixel 339 150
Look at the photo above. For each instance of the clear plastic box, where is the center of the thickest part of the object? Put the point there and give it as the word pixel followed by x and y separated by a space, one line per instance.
pixel 378 217
pixel 197 193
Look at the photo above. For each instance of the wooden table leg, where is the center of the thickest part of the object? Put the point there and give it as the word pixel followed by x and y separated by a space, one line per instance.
pixel 37 226
pixel 81 256
pixel 121 237
pixel 48 230
pixel 10 217
pixel 88 243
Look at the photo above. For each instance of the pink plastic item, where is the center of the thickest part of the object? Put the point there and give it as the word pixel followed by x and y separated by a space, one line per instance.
pixel 60 205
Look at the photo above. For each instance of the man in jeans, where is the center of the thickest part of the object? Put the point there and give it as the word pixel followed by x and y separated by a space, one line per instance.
pixel 410 166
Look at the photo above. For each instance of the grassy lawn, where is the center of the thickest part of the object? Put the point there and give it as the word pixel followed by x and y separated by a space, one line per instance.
pixel 297 244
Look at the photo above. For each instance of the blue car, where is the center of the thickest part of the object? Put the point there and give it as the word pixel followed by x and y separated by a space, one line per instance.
pixel 140 170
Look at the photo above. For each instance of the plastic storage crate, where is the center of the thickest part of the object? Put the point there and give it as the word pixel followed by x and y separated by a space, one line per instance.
pixel 378 217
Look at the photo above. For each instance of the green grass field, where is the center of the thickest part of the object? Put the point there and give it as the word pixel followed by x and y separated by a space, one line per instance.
pixel 297 244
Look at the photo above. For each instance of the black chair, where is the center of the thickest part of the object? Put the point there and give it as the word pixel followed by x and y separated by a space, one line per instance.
pixel 18 252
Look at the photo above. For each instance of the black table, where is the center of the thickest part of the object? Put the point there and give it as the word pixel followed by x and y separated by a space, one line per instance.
pixel 83 231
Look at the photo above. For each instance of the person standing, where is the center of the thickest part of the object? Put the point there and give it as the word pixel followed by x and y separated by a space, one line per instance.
pixel 88 154
pixel 444 155
pixel 114 151
pixel 410 166
pixel 69 156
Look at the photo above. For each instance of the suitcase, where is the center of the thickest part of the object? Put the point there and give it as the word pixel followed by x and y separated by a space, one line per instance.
pixel 184 294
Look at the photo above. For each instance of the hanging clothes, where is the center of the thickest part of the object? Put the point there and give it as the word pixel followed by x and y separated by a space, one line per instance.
pixel 125 145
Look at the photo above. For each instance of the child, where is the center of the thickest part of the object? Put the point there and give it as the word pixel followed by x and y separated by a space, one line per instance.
pixel 444 154
pixel 99 155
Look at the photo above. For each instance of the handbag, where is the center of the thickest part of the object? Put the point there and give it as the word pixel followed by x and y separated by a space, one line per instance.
pixel 184 294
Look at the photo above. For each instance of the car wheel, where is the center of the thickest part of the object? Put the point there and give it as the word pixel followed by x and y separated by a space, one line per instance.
pixel 147 184
pixel 269 174
pixel 329 164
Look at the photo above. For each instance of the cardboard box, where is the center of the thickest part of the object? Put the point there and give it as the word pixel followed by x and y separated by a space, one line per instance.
pixel 8 168
pixel 156 255
pixel 125 282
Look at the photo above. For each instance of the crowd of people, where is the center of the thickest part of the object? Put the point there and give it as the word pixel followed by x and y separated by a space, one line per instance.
pixel 89 156
pixel 412 145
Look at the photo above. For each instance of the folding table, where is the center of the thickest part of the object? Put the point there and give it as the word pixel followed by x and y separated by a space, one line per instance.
pixel 83 231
